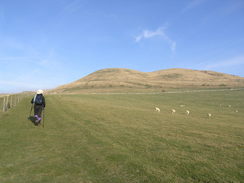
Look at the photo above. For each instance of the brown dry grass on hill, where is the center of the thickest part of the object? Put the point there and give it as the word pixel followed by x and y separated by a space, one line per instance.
pixel 120 80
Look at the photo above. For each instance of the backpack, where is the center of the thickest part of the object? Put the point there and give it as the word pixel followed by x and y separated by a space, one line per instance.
pixel 38 100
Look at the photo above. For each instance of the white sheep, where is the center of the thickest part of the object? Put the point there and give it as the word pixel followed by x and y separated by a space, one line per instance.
pixel 157 109
pixel 229 105
pixel 182 105
pixel 187 112
pixel 209 115
pixel 237 111
pixel 173 111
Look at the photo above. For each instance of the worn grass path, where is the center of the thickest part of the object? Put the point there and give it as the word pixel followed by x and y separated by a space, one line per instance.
pixel 121 139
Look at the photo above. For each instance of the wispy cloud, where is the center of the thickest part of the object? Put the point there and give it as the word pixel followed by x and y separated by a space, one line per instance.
pixel 8 59
pixel 29 80
pixel 23 63
pixel 46 61
pixel 235 61
pixel 19 84
pixel 12 43
pixel 25 53
pixel 160 32
pixel 73 6
pixel 193 4
pixel 232 7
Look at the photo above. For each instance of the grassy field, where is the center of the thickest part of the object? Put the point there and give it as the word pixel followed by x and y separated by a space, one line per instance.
pixel 122 139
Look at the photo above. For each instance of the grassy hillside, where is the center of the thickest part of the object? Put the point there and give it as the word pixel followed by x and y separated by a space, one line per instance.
pixel 127 80
pixel 120 138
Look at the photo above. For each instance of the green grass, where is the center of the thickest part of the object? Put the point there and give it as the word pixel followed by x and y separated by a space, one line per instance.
pixel 121 139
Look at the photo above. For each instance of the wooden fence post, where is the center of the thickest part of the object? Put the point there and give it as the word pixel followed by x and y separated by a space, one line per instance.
pixel 11 100
pixel 14 102
pixel 3 103
pixel 7 103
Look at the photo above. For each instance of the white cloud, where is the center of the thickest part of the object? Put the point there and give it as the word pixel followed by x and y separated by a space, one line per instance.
pixel 149 34
pixel 235 61
pixel 160 32
pixel 34 61
pixel 193 4
pixel 233 7
pixel 7 59
pixel 26 53
pixel 19 84
pixel 29 67
pixel 31 80
pixel 73 6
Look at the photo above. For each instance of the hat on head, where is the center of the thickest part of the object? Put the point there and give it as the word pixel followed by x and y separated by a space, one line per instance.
pixel 39 92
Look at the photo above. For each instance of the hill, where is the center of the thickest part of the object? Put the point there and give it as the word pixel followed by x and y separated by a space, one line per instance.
pixel 121 80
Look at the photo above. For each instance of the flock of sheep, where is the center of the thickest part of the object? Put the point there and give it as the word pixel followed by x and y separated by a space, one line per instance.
pixel 157 109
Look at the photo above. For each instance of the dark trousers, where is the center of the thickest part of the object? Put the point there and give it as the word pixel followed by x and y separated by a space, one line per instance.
pixel 38 110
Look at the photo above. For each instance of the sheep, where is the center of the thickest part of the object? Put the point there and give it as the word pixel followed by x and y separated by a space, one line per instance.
pixel 157 109
pixel 209 115
pixel 236 110
pixel 187 112
pixel 173 111
pixel 182 105
pixel 229 105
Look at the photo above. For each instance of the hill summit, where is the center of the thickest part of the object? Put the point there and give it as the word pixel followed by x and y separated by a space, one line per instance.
pixel 124 80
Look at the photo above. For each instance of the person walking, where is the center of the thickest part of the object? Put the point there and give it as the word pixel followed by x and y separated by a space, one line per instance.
pixel 39 104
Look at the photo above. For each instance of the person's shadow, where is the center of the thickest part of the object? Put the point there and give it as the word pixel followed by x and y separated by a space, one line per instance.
pixel 33 120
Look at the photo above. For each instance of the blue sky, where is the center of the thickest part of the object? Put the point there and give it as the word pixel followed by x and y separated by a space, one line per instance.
pixel 46 43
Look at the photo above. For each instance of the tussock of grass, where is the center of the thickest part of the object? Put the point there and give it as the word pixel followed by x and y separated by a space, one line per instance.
pixel 120 138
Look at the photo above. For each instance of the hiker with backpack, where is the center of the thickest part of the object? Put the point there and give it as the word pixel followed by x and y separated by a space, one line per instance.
pixel 39 104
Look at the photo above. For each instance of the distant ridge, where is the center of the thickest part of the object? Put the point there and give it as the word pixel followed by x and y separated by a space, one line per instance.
pixel 123 80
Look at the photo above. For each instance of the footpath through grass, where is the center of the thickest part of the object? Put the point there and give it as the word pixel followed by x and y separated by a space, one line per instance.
pixel 121 139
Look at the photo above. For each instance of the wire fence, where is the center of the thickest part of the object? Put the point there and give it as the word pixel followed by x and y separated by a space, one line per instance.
pixel 10 101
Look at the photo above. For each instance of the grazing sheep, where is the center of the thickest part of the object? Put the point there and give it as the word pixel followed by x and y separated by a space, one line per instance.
pixel 157 109
pixel 187 112
pixel 229 105
pixel 173 111
pixel 209 115
pixel 182 105
pixel 236 110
